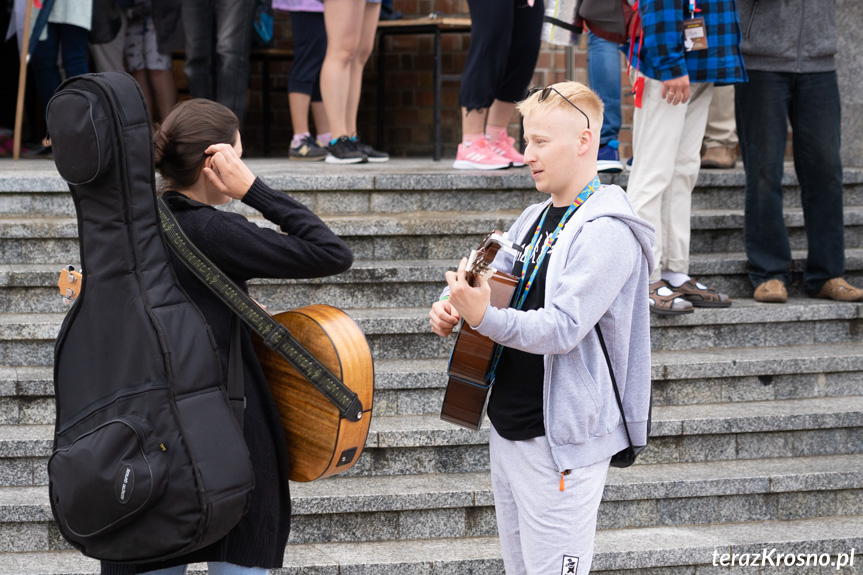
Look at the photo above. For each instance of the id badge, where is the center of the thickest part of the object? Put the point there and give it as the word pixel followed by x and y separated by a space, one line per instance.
pixel 694 36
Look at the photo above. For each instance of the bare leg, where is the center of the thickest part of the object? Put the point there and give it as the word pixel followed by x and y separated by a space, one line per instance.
pixel 500 113
pixel 322 125
pixel 473 122
pixel 299 103
pixel 343 39
pixel 163 90
pixel 364 50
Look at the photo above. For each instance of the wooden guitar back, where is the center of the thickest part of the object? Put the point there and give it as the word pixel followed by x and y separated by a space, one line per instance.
pixel 320 442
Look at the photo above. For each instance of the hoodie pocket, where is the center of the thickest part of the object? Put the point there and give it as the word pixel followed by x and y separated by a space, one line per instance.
pixel 752 16
pixel 576 412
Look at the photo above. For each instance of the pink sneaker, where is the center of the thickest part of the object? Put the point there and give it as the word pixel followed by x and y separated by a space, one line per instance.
pixel 478 155
pixel 504 147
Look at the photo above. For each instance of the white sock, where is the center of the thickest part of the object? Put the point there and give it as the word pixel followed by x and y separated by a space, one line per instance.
pixel 675 279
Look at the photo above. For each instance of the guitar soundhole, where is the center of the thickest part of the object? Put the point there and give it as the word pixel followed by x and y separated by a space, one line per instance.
pixel 347 456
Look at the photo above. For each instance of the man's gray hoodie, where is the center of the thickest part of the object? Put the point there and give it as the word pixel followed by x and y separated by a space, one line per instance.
pixel 797 36
pixel 598 272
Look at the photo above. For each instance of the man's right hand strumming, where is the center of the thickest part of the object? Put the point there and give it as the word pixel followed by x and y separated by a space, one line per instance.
pixel 443 317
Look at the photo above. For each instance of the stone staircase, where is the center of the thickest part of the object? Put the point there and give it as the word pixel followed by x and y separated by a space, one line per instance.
pixel 757 439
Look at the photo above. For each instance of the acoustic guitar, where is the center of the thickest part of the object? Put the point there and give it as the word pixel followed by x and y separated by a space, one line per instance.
pixel 320 441
pixel 473 354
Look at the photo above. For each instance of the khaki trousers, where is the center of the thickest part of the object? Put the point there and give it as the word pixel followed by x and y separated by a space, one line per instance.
pixel 721 130
pixel 666 148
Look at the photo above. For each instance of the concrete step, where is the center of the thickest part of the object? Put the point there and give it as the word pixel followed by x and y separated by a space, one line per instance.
pixel 432 235
pixel 27 339
pixel 654 550
pixel 412 235
pixel 435 506
pixel 32 288
pixel 721 230
pixel 724 189
pixel 416 387
pixel 399 445
pixel 405 184
pixel 28 279
pixel 682 433
pixel 386 283
pixel 729 271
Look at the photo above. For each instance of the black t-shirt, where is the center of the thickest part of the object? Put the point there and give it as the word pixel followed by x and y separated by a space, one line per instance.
pixel 515 405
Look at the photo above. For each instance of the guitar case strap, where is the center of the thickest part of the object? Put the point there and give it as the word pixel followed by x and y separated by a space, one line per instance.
pixel 274 334
pixel 235 382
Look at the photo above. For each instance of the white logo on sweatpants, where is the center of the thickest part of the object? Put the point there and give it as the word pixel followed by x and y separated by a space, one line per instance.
pixel 570 565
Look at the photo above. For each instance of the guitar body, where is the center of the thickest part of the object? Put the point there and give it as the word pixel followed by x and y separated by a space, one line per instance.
pixel 320 441
pixel 471 362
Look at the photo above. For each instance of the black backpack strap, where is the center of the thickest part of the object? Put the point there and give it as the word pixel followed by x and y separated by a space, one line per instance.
pixel 274 334
pixel 236 381
pixel 613 382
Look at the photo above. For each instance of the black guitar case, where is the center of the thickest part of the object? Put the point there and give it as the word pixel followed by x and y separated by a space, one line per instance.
pixel 149 461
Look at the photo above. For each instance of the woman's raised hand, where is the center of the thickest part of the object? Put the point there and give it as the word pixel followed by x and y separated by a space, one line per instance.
pixel 227 172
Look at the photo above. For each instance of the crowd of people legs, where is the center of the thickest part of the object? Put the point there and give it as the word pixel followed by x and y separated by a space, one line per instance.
pixel 692 105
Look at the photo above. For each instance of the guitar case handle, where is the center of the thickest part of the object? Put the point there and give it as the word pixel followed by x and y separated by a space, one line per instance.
pixel 274 334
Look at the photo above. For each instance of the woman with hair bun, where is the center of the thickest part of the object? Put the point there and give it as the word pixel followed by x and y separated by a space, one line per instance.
pixel 198 153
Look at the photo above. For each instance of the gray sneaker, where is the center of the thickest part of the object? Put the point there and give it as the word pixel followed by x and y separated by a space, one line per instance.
pixel 308 151
pixel 372 154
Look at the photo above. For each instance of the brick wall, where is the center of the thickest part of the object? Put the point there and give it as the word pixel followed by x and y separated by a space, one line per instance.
pixel 408 107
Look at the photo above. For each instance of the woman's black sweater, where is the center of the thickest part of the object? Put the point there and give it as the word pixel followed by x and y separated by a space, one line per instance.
pixel 243 250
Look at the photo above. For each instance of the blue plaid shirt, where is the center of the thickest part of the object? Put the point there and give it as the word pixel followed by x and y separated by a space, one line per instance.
pixel 662 54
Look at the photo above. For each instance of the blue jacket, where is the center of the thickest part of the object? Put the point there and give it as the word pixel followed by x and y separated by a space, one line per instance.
pixel 662 56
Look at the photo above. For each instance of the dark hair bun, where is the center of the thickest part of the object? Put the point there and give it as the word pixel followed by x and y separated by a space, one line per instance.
pixel 160 143
pixel 180 142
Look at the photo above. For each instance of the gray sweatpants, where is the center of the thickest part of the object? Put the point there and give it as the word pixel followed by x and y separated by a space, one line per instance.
pixel 543 530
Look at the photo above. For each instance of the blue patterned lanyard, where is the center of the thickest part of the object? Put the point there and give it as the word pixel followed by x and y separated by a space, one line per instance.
pixel 582 197
pixel 528 253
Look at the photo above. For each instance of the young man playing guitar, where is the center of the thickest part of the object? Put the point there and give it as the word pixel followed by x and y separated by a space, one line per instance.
pixel 555 420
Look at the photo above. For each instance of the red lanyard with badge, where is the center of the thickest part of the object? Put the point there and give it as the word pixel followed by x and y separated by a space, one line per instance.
pixel 694 38
pixel 694 32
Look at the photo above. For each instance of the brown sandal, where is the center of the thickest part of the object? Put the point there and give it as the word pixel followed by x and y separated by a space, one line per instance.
pixel 669 304
pixel 702 296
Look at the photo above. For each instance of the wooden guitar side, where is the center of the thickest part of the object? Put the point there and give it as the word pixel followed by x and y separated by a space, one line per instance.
pixel 471 362
pixel 320 442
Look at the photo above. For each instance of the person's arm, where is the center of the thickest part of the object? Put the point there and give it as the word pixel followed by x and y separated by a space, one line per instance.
pixel 443 316
pixel 662 26
pixel 306 249
pixel 585 290
pixel 306 238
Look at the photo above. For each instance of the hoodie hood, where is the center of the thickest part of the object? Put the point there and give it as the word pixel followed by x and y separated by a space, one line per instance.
pixel 615 204
pixel 609 201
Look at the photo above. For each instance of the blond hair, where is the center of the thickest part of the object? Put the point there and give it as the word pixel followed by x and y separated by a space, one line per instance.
pixel 577 93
